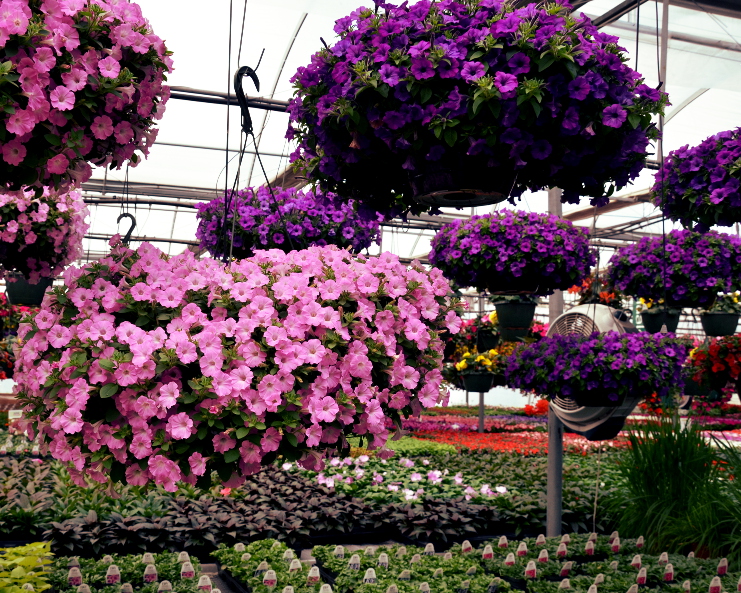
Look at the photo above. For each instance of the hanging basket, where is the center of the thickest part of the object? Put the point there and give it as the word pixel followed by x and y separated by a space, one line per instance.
pixel 481 382
pixel 719 324
pixel 21 292
pixel 693 388
pixel 652 322
pixel 514 320
pixel 486 341
pixel 594 422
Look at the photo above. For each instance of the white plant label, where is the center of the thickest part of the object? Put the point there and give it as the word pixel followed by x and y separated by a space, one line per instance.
pixel 246 557
pixel 503 543
pixel 510 559
pixel 313 576
pixel 204 583
pixel 74 577
pixel 185 557
pixel 466 547
pixel 543 556
pixel 522 549
pixel 383 560
pixel 339 552
pixel 187 571
pixel 354 563
pixel 370 577
pixel 429 550
pixel 295 565
pixel 150 573
pixel 240 547
pixel 148 558
pixel 565 584
pixel 562 550
pixel 540 540
pixel 164 586
pixel 530 571
pixel 270 579
pixel 488 553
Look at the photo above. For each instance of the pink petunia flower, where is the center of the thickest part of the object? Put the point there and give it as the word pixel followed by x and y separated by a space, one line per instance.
pixel 109 67
pixel 180 426
pixel 62 98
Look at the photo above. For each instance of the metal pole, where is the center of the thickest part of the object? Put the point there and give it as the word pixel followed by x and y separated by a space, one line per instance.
pixel 554 493
pixel 481 411
pixel 662 67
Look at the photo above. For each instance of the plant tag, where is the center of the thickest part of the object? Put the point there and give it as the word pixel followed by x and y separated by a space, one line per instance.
pixel 464 587
pixel 714 585
pixel 429 550
pixel 599 579
pixel 262 568
pixel 240 547
pixel 354 563
pixel 466 547
pixel 488 553
pixel 187 571
pixel 641 578
pixel 565 584
pixel 339 552
pixel 85 588
pixel 509 560
pixel 415 559
pixel 112 575
pixel 392 589
pixel 438 574
pixel 530 571
pixel 562 550
pixel 668 572
pixel 288 555
pixel 313 576
pixel 636 562
pixel 74 561
pixel 664 558
pixel 691 555
pixel 183 557
pixel 566 539
pixel 270 579
pixel 164 586
pixel 738 585
pixel 295 565
pixel 276 544
pixel 424 588
pixel 325 588
pixel 592 589
pixel 370 551
pixel 494 586
pixel 148 558
pixel 383 560
pixel 633 589
pixel 522 549
pixel 589 548
pixel 204 583
pixel 686 586
pixel 370 576
pixel 246 557
pixel 286 589
pixel 613 536
pixel 127 588
pixel 614 565
pixel 107 559
pixel 566 569
pixel 471 571
pixel 448 556
pixel 592 537
pixel 401 552
pixel 543 556
pixel 615 545
pixel 540 540
pixel 217 590
pixel 640 542
pixel 503 543
pixel 74 577
pixel 723 566
pixel 405 575
pixel 150 573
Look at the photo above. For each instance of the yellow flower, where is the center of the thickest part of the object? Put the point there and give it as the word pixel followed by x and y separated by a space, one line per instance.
pixel 493 317
pixel 459 366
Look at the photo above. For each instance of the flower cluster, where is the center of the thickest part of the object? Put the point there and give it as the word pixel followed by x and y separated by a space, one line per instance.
pixel 717 362
pixel 11 316
pixel 539 409
pixel 494 361
pixel 82 84
pixel 410 89
pixel 513 250
pixel 284 219
pixel 596 289
pixel 41 233
pixel 148 368
pixel 726 303
pixel 696 266
pixel 608 366
pixel 702 184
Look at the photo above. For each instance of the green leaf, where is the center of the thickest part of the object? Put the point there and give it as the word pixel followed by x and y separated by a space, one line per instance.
pixel 242 432
pixel 108 390
pixel 292 440
pixel 477 105
pixel 536 107
pixel 545 62
pixel 53 139
pixel 425 94
pixel 106 364
pixel 450 137
pixel 571 67
pixel 231 456
pixel 142 320
pixel 634 120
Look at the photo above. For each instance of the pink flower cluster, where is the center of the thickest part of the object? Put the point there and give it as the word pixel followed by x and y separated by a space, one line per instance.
pixel 149 368
pixel 87 87
pixel 40 236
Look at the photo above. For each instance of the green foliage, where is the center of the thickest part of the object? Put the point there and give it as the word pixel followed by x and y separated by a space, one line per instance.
pixel 412 446
pixel 24 566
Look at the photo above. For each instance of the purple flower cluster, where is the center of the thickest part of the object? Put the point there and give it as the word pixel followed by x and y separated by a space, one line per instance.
pixel 696 267
pixel 506 248
pixel 702 184
pixel 534 91
pixel 293 219
pixel 608 364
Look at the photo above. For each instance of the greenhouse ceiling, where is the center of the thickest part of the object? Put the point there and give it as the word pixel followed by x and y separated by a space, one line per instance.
pixel 187 163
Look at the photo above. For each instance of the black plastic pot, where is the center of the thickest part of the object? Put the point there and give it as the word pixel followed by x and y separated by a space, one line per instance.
pixel 481 382
pixel 486 341
pixel 694 388
pixel 21 292
pixel 719 324
pixel 514 320
pixel 652 322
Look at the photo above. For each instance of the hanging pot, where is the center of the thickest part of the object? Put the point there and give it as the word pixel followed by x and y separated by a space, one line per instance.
pixel 449 349
pixel 521 285
pixel 719 324
pixel 652 322
pixel 486 341
pixel 498 381
pixel 693 388
pixel 514 320
pixel 22 292
pixel 481 382
pixel 459 181
pixel 593 421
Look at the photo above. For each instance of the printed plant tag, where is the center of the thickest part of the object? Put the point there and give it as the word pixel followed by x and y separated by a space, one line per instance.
pixel 240 547
pixel 74 577
pixel 530 571
pixel 614 565
pixel 288 555
pixel 714 585
pixel 401 552
pixel 217 590
pixel 640 542
pixel 589 548
pixel 522 549
pixel 437 574
pixel 599 579
pixel 204 583
pixel 494 585
pixel 562 550
pixel 148 558
pixel 424 588
pixel 503 543
pixel 270 579
pixel 295 565
pixel 466 547
pixel 668 573
pixel 405 575
pixel 85 588
pixel 488 553
pixel 723 566
pixel 691 555
pixel 246 557
pixel 370 551
pixel 686 586
pixel 448 556
pixel 633 589
pixel 187 571
pixel 738 585
pixel 613 536
pixel 286 589
pixel 185 557
pixel 429 550
pixel 565 584
pixel 415 559
pixel 566 569
pixel 150 573
pixel 325 588
pixel 592 589
pixel 510 559
pixel 262 568
pixel 636 562
pixel 392 589
pixel 313 576
pixel 641 578
pixel 566 539
pixel 592 537
pixel 383 560
pixel 471 571
pixel 164 586
pixel 540 540
pixel 74 561
pixel 663 558
pixel 354 563
pixel 615 545
pixel 127 588
pixel 112 575
pixel 543 556
pixel 370 577
pixel 275 545
pixel 339 552
pixel 107 559
pixel 463 587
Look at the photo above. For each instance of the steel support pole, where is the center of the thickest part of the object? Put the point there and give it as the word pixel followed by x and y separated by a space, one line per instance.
pixel 481 411
pixel 554 494
pixel 662 68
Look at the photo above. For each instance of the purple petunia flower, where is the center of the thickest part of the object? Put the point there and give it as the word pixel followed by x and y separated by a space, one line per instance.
pixel 472 71
pixel 505 82
pixel 422 68
pixel 614 116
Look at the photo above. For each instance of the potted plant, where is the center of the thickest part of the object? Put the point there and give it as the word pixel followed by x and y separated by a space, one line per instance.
pixel 475 371
pixel 654 316
pixel 11 315
pixel 600 370
pixel 462 103
pixel 684 269
pixel 42 234
pixel 284 219
pixel 596 289
pixel 716 363
pixel 83 85
pixel 721 318
pixel 702 184
pixel 185 366
pixel 515 255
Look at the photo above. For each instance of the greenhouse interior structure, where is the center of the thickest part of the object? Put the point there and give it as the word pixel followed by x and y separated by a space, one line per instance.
pixel 435 296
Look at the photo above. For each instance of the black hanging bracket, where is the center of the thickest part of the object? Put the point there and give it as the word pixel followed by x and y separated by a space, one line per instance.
pixel 127 237
pixel 242 98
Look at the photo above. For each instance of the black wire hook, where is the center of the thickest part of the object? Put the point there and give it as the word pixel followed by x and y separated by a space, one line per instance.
pixel 127 237
pixel 242 98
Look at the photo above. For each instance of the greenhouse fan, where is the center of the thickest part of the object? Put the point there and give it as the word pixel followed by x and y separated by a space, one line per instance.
pixel 594 423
